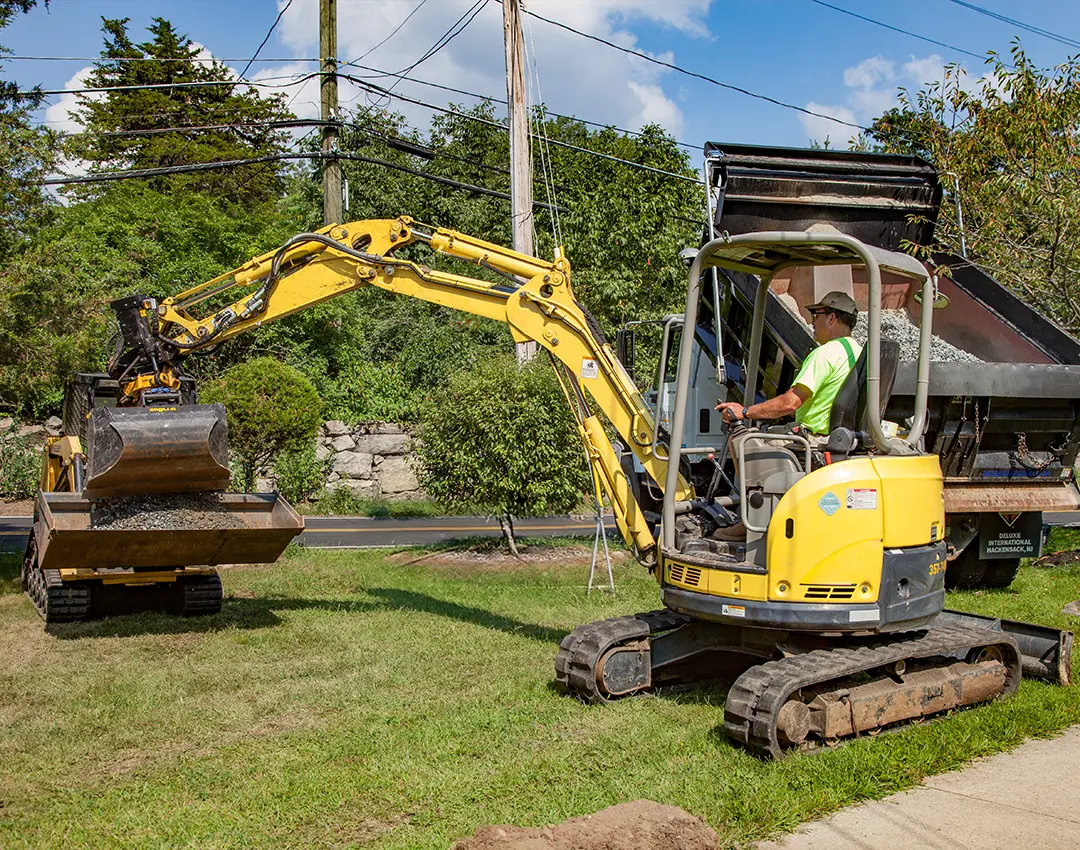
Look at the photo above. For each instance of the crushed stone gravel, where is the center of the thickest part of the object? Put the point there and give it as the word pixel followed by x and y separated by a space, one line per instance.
pixel 163 512
pixel 896 325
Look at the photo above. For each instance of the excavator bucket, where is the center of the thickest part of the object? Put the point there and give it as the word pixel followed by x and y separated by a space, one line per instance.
pixel 148 450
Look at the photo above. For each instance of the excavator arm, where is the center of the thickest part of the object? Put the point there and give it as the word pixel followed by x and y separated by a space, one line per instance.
pixel 533 297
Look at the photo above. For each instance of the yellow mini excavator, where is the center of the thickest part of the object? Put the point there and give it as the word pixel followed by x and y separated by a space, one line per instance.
pixel 830 614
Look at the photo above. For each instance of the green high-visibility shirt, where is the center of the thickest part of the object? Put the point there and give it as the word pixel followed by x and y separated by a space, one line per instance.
pixel 823 372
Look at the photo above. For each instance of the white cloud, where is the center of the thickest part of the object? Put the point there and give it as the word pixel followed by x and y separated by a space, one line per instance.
pixel 873 87
pixel 870 72
pixel 576 77
pixel 821 129
pixel 57 115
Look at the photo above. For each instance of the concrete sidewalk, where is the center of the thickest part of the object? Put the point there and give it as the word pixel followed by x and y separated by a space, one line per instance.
pixel 1029 799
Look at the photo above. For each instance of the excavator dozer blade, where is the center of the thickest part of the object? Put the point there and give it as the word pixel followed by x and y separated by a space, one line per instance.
pixel 147 450
pixel 225 528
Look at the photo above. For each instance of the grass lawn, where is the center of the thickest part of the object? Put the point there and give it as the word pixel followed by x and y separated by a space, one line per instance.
pixel 350 699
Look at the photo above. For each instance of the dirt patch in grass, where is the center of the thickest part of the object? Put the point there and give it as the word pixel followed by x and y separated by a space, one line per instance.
pixel 1058 559
pixel 488 559
pixel 281 724
pixel 628 826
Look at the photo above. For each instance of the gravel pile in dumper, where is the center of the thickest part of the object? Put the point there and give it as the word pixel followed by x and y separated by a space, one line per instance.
pixel 163 512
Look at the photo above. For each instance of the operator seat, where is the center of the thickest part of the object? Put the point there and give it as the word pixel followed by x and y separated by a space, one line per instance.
pixel 850 409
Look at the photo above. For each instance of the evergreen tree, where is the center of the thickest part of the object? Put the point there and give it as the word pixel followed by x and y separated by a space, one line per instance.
pixel 112 139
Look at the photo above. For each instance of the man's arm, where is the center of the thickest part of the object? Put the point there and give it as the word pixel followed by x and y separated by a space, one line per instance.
pixel 775 408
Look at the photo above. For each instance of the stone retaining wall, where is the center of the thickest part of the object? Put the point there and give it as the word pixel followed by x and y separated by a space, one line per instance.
pixel 370 460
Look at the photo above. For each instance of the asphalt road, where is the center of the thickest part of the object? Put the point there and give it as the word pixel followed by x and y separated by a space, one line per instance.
pixel 336 532
pixel 368 532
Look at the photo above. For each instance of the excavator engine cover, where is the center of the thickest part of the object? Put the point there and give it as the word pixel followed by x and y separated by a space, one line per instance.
pixel 147 450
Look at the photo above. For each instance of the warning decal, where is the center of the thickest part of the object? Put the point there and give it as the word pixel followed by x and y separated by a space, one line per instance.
pixel 862 499
pixel 589 368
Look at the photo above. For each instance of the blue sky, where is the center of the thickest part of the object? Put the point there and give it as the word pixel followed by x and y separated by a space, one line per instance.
pixel 797 51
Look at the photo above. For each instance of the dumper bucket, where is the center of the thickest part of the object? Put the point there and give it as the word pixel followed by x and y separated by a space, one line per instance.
pixel 71 531
pixel 170 449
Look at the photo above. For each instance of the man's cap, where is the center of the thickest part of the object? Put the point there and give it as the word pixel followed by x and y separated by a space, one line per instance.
pixel 836 300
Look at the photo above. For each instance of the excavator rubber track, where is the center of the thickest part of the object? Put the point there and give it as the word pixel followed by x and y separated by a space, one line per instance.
pixel 580 652
pixel 819 697
pixel 756 701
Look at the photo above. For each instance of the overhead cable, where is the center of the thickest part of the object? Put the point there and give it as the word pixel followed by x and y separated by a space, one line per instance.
pixel 555 142
pixel 111 176
pixel 897 29
pixel 646 57
pixel 270 32
pixel 1053 36
pixel 380 73
pixel 393 32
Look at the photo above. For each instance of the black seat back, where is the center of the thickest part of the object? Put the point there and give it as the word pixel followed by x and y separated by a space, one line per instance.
pixel 850 408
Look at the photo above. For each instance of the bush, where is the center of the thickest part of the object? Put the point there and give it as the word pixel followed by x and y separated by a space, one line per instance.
pixel 272 410
pixel 500 438
pixel 20 466
pixel 300 475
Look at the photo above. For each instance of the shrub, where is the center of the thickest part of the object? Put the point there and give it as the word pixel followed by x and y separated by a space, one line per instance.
pixel 501 438
pixel 272 410
pixel 300 475
pixel 20 466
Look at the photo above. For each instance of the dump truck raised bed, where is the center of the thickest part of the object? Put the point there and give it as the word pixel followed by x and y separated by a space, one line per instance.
pixel 1003 411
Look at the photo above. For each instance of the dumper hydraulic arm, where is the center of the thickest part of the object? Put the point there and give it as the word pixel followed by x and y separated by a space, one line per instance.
pixel 533 297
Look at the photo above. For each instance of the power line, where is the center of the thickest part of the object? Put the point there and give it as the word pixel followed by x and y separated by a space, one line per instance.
pixel 455 30
pixel 392 33
pixel 296 79
pixel 112 176
pixel 269 32
pixel 380 73
pixel 1060 39
pixel 279 59
pixel 897 29
pixel 694 74
pixel 490 123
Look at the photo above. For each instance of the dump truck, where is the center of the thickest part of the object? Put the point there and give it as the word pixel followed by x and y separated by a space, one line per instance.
pixel 830 620
pixel 1001 385
pixel 133 513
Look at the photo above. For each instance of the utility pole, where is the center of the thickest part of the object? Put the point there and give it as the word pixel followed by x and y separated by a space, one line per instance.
pixel 328 92
pixel 520 159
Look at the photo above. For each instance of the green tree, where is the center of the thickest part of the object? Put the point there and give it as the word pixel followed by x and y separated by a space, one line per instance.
pixel 54 296
pixel 154 128
pixel 501 439
pixel 27 154
pixel 1012 150
pixel 272 410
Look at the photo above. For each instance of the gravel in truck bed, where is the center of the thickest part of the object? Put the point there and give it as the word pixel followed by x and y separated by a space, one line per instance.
pixel 163 512
pixel 896 325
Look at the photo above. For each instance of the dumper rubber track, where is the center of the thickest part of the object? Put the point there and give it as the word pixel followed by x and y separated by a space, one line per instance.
pixel 581 650
pixel 201 595
pixel 755 700
pixel 55 601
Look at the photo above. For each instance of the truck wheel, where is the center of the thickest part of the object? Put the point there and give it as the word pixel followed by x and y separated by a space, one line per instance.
pixel 1000 573
pixel 966 571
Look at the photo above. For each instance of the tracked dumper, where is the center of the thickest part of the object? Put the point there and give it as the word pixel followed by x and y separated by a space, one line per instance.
pixel 140 517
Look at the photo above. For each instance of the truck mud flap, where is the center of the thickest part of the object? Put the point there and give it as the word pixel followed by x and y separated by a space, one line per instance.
pixel 1046 653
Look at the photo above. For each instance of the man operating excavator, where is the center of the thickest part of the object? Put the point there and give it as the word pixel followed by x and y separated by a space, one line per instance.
pixel 816 385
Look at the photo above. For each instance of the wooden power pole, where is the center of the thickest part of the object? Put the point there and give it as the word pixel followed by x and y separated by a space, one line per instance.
pixel 520 159
pixel 329 99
